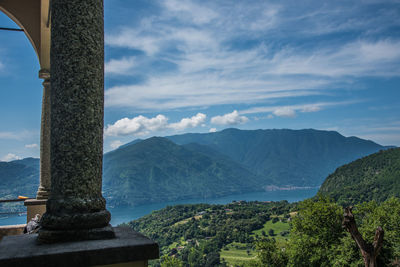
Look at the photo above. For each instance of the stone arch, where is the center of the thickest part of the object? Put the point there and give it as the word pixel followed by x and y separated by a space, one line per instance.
pixel 33 16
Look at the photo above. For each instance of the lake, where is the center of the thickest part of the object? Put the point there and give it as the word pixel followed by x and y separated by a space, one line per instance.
pixel 125 214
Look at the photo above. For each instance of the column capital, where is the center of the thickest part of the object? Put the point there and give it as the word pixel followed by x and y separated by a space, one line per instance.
pixel 44 74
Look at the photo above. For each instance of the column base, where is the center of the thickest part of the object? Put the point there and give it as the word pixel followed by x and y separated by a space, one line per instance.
pixel 42 194
pixel 127 247
pixel 33 207
pixel 47 236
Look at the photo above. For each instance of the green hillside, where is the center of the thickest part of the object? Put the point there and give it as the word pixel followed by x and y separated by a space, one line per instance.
pixel 157 170
pixel 19 177
pixel 276 234
pixel 288 157
pixel 375 177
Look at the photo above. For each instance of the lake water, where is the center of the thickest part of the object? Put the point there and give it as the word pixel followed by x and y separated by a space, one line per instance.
pixel 126 214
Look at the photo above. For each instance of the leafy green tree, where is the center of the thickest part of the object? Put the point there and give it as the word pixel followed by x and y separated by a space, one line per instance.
pixel 269 254
pixel 369 216
pixel 212 259
pixel 316 228
pixel 195 258
pixel 271 232
pixel 168 261
pixel 387 216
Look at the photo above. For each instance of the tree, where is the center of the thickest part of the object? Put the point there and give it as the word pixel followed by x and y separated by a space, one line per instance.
pixel 316 228
pixel 168 261
pixel 368 251
pixel 369 216
pixel 263 233
pixel 269 254
pixel 271 232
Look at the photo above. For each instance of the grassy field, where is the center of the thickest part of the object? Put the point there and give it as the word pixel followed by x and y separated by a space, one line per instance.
pixel 197 217
pixel 278 227
pixel 237 253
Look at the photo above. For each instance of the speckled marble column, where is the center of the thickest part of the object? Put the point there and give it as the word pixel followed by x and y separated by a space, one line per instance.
pixel 45 182
pixel 76 209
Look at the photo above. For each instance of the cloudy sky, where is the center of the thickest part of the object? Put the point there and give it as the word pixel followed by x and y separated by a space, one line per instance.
pixel 177 66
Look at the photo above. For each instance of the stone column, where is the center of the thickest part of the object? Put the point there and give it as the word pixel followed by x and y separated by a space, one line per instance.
pixel 44 182
pixel 76 209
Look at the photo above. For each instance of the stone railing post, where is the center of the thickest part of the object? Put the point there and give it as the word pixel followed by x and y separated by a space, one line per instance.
pixel 76 209
pixel 45 181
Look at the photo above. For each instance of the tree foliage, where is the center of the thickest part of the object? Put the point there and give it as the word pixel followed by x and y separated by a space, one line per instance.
pixel 318 239
pixel 197 233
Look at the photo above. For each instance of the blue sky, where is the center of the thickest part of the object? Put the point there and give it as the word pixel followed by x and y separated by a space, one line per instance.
pixel 176 66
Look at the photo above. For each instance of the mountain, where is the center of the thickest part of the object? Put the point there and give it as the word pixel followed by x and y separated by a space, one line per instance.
pixel 287 157
pixel 374 177
pixel 156 170
pixel 19 177
pixel 207 165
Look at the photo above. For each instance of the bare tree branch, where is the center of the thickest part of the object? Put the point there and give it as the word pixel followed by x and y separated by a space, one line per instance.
pixel 368 251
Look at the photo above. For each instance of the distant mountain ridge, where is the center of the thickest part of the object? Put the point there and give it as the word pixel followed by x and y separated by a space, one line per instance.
pixel 225 162
pixel 288 157
pixel 208 165
pixel 374 177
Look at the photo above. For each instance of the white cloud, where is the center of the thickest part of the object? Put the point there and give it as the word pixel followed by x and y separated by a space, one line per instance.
pixel 31 146
pixel 290 110
pixel 9 135
pixel 229 119
pixel 20 135
pixel 115 144
pixel 311 108
pixel 139 125
pixel 142 125
pixel 134 39
pixel 120 66
pixel 189 11
pixel 287 112
pixel 357 58
pixel 10 157
pixel 192 122
pixel 166 93
pixel 212 130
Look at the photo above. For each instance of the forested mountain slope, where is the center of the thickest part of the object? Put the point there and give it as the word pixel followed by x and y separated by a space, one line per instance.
pixel 374 177
pixel 19 177
pixel 156 170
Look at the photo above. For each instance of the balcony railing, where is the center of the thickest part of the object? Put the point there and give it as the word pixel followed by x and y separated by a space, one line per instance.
pixel 14 229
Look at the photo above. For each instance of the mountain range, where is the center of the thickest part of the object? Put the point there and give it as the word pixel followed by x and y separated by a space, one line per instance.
pixel 208 165
pixel 225 162
pixel 287 157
